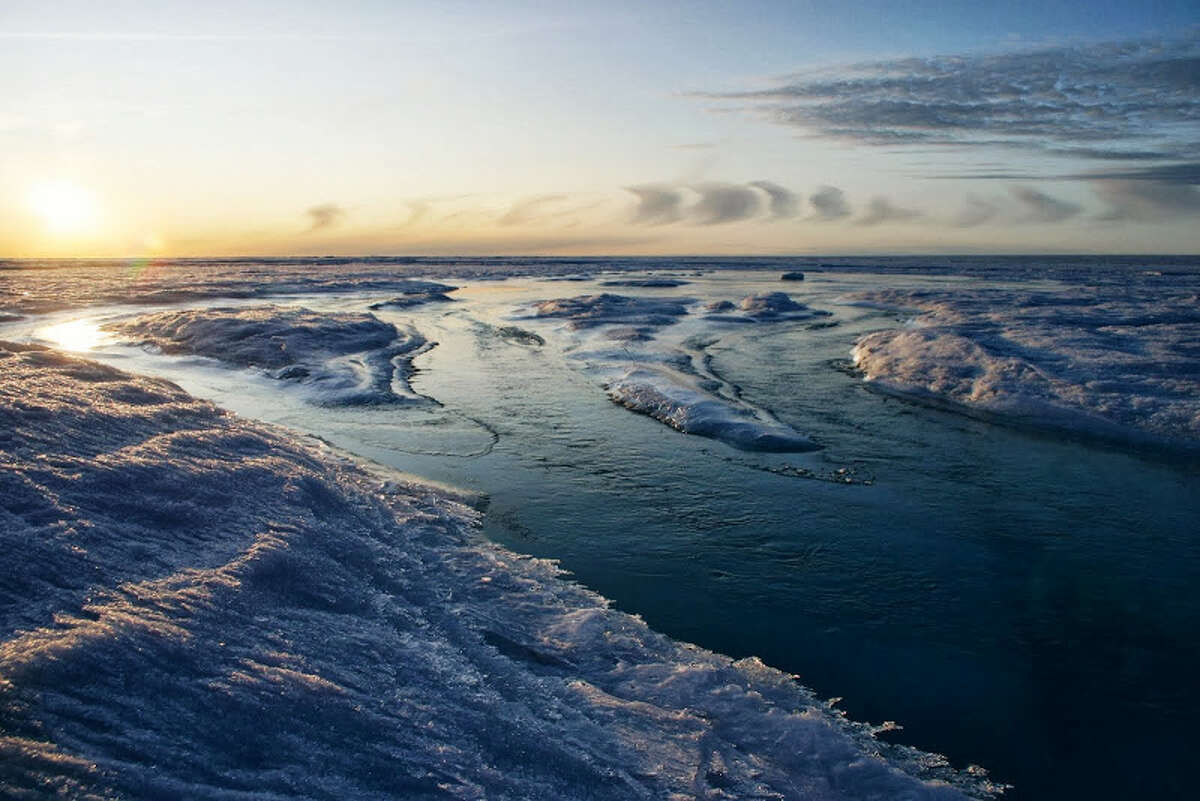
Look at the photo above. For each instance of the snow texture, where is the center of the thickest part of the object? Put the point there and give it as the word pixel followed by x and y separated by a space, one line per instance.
pixel 763 307
pixel 1115 363
pixel 636 316
pixel 197 606
pixel 674 383
pixel 416 293
pixel 671 398
pixel 342 358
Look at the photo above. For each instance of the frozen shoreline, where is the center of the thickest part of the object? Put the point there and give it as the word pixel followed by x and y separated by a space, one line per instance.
pixel 209 607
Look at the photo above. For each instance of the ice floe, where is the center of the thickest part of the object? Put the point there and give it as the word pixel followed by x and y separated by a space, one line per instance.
pixel 416 293
pixel 763 307
pixel 688 404
pixel 672 381
pixel 194 605
pixel 1115 362
pixel 341 358
pixel 588 311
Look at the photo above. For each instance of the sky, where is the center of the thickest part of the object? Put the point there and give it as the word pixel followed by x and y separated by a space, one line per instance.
pixel 862 126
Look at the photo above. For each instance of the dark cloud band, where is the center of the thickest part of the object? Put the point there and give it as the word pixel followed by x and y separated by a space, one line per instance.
pixel 1103 101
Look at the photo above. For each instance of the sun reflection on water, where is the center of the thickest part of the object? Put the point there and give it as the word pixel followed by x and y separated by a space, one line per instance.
pixel 75 335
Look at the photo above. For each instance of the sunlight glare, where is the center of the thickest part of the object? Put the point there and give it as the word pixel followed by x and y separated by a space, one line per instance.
pixel 64 207
pixel 76 335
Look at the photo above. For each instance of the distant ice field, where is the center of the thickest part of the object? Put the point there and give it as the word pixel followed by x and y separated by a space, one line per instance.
pixel 961 495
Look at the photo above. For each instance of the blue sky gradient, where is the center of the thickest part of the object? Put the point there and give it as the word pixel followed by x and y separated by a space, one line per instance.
pixel 188 129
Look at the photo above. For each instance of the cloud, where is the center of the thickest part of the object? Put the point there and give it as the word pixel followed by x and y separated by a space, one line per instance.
pixel 1042 208
pixel 782 203
pixel 716 203
pixel 1185 173
pixel 324 216
pixel 1116 100
pixel 657 204
pixel 976 212
pixel 880 210
pixel 829 202
pixel 526 211
pixel 1148 201
pixel 723 203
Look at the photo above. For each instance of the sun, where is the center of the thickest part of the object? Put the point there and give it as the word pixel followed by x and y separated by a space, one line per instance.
pixel 64 207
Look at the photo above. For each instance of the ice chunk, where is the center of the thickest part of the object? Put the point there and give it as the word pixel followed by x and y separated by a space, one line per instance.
pixel 693 410
pixel 412 301
pixel 417 293
pixel 586 311
pixel 763 307
pixel 1114 364
pixel 512 333
pixel 342 358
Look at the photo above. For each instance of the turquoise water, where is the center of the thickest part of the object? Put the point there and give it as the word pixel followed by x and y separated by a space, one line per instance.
pixel 1022 601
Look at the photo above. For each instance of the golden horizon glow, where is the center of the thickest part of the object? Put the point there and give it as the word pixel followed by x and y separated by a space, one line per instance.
pixel 63 206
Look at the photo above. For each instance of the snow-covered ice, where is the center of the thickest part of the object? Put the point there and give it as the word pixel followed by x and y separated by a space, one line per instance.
pixel 416 293
pixel 342 358
pixel 672 381
pixel 195 605
pixel 763 307
pixel 638 314
pixel 1114 362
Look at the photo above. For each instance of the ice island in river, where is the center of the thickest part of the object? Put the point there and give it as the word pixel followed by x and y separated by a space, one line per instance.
pixel 200 604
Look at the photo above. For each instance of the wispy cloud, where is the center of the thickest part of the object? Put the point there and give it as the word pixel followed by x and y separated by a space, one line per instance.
pixel 717 203
pixel 782 202
pixel 976 211
pixel 1148 201
pixel 324 216
pixel 658 204
pixel 1038 207
pixel 723 203
pixel 529 210
pixel 881 210
pixel 1121 100
pixel 829 203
